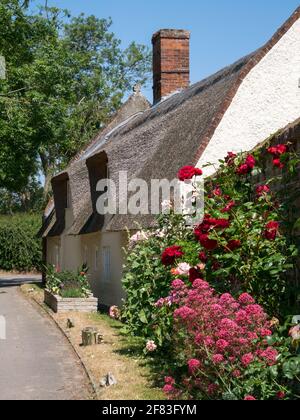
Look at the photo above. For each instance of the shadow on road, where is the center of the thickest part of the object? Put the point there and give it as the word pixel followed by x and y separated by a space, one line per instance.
pixel 19 280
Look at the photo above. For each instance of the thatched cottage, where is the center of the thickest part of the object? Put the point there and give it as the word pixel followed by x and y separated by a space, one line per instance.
pixel 233 110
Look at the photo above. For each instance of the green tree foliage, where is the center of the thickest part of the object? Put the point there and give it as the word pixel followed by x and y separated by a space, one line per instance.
pixel 20 249
pixel 66 76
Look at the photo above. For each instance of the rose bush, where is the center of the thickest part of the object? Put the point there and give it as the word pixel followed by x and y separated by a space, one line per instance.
pixel 242 250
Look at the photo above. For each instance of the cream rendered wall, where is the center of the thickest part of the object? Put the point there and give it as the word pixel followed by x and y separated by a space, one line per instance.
pixel 109 292
pixel 267 100
pixel 53 245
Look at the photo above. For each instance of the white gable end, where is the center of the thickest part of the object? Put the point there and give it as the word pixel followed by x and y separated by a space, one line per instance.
pixel 267 100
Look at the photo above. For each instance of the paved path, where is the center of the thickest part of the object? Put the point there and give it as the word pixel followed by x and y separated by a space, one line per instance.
pixel 36 360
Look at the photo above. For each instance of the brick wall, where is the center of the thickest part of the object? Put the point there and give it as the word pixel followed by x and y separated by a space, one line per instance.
pixel 287 186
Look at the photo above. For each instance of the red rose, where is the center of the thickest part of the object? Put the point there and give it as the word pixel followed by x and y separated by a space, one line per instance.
pixel 250 161
pixel 243 170
pixel 278 164
pixel 281 395
pixel 248 166
pixel 170 255
pixel 188 172
pixel 272 150
pixel 194 274
pixel 262 190
pixel 207 243
pixel 271 230
pixel 228 207
pixel 203 257
pixel 230 158
pixel 249 398
pixel 217 192
pixel 219 223
pixel 281 149
pixel 234 244
pixel 278 150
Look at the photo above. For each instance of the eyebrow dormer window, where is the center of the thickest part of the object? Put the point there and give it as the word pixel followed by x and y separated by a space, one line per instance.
pixel 98 170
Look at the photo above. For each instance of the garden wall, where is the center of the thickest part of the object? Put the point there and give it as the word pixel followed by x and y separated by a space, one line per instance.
pixel 290 187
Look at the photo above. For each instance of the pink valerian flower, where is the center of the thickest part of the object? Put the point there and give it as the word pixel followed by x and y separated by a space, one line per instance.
pixel 114 312
pixel 271 230
pixel 218 359
pixel 184 313
pixel 247 359
pixel 177 284
pixel 264 332
pixel 194 365
pixel 222 345
pixel 262 190
pixel 212 389
pixel 151 346
pixel 230 331
pixel 270 355
pixel 170 255
pixel 246 299
pixel 168 389
pixel 189 172
pixel 249 398
pixel 236 373
pixel 169 380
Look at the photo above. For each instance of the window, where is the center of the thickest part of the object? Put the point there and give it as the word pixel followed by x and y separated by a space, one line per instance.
pixel 85 255
pixel 57 257
pixel 106 261
pixel 96 258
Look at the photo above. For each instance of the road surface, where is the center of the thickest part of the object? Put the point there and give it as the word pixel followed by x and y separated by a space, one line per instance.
pixel 36 360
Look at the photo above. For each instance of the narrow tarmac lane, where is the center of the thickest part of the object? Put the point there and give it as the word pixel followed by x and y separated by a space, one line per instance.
pixel 36 360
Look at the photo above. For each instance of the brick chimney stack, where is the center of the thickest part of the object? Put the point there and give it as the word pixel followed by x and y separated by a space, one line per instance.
pixel 171 62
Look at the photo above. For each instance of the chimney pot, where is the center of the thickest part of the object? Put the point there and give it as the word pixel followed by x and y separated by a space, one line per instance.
pixel 171 62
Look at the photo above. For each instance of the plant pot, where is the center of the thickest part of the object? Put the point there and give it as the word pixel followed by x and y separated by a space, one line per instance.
pixel 59 304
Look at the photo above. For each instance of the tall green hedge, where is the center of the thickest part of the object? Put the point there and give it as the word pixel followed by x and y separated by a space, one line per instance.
pixel 20 249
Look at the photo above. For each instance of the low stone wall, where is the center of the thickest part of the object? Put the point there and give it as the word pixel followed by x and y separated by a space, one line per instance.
pixel 59 304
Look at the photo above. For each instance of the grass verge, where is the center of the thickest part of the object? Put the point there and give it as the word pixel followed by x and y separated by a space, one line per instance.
pixel 119 354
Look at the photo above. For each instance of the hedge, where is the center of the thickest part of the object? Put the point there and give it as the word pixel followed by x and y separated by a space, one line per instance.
pixel 20 249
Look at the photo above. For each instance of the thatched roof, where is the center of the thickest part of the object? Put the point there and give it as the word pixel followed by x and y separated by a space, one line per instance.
pixel 153 143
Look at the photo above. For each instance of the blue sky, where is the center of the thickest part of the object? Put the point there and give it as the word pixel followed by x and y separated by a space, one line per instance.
pixel 222 30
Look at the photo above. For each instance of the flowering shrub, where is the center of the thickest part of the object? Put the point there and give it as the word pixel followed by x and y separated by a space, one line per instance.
pixel 242 251
pixel 67 283
pixel 225 348
pixel 114 312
